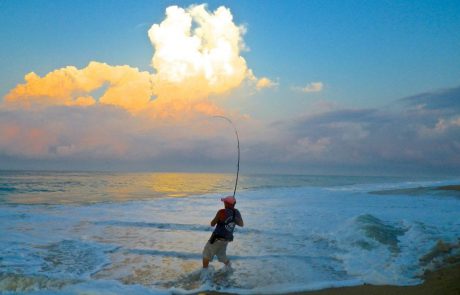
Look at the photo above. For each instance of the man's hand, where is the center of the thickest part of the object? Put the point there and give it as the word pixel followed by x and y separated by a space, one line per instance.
pixel 239 221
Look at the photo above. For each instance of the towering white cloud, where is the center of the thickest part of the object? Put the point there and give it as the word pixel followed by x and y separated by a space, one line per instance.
pixel 197 53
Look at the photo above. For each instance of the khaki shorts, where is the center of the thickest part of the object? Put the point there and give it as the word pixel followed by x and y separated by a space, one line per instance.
pixel 218 248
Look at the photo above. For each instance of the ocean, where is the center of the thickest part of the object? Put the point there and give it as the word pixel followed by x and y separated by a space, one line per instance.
pixel 143 233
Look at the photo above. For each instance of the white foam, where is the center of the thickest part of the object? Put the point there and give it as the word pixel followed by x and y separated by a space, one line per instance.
pixel 101 287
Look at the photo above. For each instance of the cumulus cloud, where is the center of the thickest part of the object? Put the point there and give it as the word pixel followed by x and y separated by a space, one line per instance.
pixel 197 54
pixel 127 87
pixel 311 87
pixel 265 82
pixel 119 112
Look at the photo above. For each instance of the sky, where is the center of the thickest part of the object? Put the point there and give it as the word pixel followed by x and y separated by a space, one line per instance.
pixel 323 87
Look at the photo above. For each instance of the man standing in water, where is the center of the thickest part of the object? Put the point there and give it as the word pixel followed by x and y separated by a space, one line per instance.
pixel 223 233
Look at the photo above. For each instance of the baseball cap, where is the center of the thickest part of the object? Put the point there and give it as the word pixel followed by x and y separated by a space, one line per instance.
pixel 229 200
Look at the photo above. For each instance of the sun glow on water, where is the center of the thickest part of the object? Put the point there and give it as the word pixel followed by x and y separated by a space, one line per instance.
pixel 81 187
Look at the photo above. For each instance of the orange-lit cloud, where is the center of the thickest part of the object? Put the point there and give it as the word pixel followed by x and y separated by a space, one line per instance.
pixel 197 54
pixel 265 82
pixel 127 87
pixel 25 139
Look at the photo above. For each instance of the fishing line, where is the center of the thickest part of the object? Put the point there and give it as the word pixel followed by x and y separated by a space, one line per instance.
pixel 238 146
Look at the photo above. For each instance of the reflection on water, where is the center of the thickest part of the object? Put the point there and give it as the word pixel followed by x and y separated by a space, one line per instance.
pixel 91 187
pixel 183 184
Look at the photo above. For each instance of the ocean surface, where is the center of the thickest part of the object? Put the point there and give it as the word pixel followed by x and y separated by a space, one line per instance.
pixel 143 233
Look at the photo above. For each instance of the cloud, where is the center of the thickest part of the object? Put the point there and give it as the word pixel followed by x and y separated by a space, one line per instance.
pixel 306 146
pixel 102 111
pixel 442 126
pixel 197 54
pixel 311 87
pixel 444 99
pixel 126 87
pixel 55 131
pixel 396 139
pixel 104 132
pixel 265 82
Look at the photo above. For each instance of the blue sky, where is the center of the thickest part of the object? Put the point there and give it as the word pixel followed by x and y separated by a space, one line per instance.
pixel 367 54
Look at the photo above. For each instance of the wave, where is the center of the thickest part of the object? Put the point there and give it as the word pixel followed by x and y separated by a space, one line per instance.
pixel 183 227
pixel 380 231
pixel 17 282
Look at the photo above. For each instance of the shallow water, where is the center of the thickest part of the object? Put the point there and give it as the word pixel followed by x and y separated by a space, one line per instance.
pixel 144 233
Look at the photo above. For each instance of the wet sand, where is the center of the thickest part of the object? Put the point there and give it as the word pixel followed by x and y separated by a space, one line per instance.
pixel 453 190
pixel 449 188
pixel 445 281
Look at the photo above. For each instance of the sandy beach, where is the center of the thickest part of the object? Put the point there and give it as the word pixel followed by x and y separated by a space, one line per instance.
pixel 445 281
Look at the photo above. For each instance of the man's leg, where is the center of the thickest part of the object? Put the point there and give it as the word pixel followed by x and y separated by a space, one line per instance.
pixel 205 274
pixel 222 254
pixel 208 253
pixel 205 262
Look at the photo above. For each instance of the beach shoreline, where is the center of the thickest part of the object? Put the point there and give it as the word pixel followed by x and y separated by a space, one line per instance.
pixel 444 280
pixel 453 190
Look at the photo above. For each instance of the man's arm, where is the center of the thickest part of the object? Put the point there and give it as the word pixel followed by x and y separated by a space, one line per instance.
pixel 239 219
pixel 216 219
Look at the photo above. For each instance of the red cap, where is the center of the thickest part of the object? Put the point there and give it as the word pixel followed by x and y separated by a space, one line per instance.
pixel 229 200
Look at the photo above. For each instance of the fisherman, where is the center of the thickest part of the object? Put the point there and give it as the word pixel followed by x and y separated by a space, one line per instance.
pixel 223 233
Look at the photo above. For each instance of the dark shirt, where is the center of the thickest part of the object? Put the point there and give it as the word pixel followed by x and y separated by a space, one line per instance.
pixel 226 220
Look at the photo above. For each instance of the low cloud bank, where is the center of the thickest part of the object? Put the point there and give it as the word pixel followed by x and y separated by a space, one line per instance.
pixel 412 135
pixel 416 134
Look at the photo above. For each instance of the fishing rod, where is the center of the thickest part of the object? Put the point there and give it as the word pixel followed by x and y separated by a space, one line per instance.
pixel 238 146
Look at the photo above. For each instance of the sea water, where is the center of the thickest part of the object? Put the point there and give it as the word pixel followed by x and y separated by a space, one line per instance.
pixel 143 233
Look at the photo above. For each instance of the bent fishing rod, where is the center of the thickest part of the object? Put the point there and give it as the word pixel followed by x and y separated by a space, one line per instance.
pixel 238 146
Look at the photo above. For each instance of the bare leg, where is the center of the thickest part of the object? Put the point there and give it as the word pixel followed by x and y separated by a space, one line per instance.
pixel 205 274
pixel 228 266
pixel 205 262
